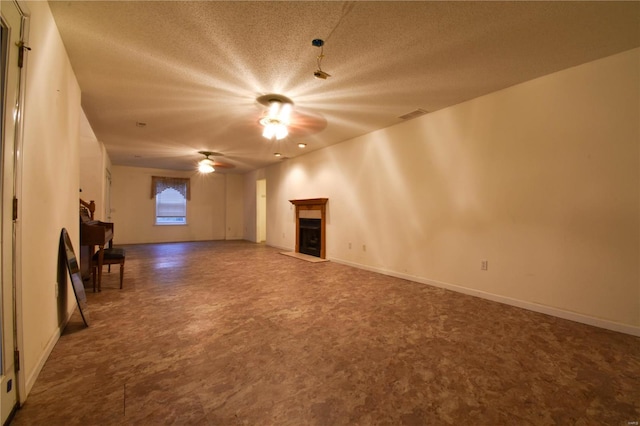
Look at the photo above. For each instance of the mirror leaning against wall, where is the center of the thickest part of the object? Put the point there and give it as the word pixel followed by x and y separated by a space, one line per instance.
pixel 71 260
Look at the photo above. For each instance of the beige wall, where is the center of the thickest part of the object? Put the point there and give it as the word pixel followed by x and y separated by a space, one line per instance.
pixel 50 186
pixel 250 204
pixel 94 163
pixel 541 179
pixel 213 213
pixel 235 206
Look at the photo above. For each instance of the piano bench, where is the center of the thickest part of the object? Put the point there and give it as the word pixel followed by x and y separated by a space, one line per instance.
pixel 112 256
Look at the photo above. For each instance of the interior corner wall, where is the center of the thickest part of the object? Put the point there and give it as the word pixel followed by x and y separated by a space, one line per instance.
pixel 250 232
pixel 540 179
pixel 93 163
pixel 106 192
pixel 213 197
pixel 234 218
pixel 49 194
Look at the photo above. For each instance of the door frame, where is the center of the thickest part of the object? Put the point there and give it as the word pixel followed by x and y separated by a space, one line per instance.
pixel 12 182
pixel 17 170
pixel 261 210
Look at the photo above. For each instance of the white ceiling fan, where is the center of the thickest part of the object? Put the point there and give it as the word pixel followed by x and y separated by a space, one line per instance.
pixel 209 165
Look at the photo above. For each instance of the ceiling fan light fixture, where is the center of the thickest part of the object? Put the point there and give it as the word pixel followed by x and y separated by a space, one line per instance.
pixel 277 119
pixel 206 166
pixel 275 130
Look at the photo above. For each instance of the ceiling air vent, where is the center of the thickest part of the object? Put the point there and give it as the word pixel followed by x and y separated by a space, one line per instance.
pixel 413 114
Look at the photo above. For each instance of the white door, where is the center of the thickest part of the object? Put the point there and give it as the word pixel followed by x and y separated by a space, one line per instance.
pixel 261 210
pixel 11 28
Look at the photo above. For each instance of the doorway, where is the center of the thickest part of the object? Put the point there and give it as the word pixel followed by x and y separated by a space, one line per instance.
pixel 261 210
pixel 107 195
pixel 12 49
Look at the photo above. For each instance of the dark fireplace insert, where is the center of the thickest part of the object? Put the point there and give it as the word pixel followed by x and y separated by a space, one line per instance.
pixel 310 242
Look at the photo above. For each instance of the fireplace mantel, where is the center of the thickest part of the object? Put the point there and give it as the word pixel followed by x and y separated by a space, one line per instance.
pixel 320 202
pixel 312 204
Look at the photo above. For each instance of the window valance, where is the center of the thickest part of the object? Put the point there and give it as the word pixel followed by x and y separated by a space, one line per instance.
pixel 160 183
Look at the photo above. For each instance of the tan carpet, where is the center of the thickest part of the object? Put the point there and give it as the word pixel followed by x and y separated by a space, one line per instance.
pixel 233 333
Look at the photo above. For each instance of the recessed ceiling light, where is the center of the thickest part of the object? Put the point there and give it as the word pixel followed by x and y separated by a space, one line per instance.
pixel 277 154
pixel 302 145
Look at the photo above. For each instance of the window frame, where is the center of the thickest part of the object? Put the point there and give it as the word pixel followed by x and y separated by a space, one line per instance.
pixel 182 188
pixel 180 220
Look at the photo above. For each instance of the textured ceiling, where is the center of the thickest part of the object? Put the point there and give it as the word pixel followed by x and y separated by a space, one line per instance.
pixel 192 70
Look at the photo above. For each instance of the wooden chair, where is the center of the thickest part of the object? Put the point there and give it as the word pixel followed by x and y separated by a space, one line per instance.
pixel 112 256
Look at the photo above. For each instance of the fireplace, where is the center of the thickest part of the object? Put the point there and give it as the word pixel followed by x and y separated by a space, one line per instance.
pixel 311 226
pixel 310 236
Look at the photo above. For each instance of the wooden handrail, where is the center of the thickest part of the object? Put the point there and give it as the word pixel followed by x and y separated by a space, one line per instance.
pixel 91 206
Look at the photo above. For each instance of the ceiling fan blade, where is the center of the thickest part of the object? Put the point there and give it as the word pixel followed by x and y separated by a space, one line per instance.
pixel 221 165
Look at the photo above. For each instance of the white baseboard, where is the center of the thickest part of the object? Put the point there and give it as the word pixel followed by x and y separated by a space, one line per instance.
pixel 33 375
pixel 548 310
pixel 283 248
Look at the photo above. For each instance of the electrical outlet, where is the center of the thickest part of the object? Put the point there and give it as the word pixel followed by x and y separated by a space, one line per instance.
pixel 364 247
pixel 349 246
pixel 484 265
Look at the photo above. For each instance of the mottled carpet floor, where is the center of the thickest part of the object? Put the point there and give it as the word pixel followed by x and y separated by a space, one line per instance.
pixel 235 333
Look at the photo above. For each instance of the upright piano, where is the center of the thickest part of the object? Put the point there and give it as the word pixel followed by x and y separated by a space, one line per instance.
pixel 95 233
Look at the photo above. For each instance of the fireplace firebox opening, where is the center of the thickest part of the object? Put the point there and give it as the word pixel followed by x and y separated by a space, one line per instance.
pixel 310 236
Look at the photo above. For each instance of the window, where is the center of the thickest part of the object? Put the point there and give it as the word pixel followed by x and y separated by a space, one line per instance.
pixel 171 196
pixel 171 208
